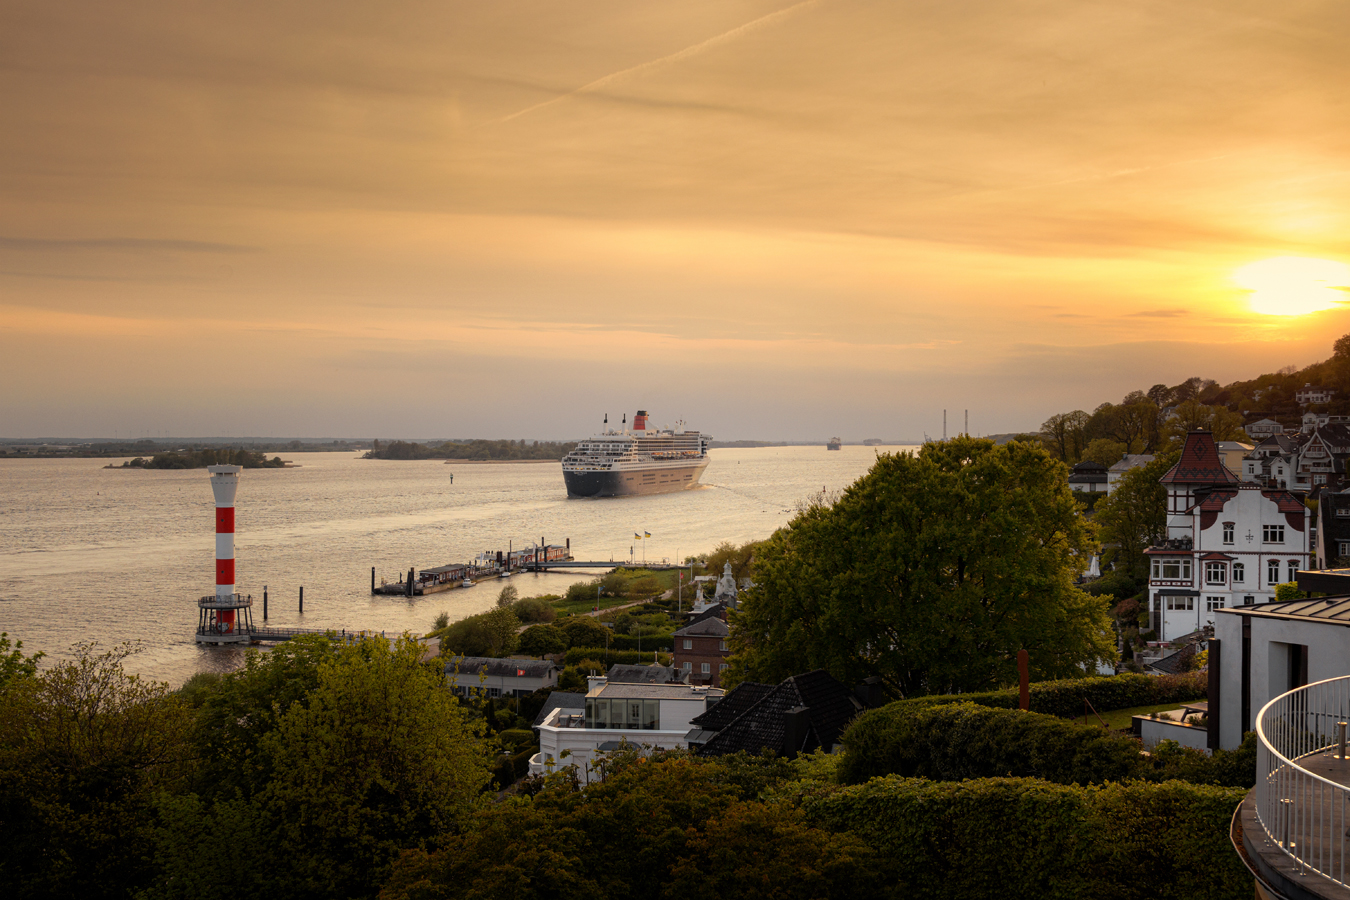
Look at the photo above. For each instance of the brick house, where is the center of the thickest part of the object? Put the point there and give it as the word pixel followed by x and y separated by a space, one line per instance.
pixel 701 650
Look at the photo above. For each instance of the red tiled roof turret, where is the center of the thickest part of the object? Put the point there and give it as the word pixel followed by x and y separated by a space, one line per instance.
pixel 1199 463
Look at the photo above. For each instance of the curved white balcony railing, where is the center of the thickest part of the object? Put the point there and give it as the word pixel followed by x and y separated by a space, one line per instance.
pixel 1302 803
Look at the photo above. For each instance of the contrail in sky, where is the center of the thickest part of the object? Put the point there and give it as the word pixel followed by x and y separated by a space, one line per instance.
pixel 687 52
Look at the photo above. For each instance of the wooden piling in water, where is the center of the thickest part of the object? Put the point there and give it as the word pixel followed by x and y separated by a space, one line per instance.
pixel 302 599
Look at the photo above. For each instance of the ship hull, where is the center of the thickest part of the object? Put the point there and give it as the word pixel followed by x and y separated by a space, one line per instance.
pixel 624 483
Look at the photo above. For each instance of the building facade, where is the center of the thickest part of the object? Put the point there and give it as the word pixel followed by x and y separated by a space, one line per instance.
pixel 653 716
pixel 701 650
pixel 1229 543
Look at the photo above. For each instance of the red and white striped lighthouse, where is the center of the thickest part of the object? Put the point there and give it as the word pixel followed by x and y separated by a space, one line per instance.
pixel 225 617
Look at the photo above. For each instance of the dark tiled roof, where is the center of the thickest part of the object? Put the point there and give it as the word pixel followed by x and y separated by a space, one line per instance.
pixel 1199 463
pixel 717 610
pixel 829 707
pixel 711 626
pixel 738 700
pixel 1174 663
pixel 631 674
pixel 560 700
pixel 498 668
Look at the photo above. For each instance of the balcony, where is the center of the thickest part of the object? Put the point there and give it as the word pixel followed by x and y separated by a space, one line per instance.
pixel 1292 829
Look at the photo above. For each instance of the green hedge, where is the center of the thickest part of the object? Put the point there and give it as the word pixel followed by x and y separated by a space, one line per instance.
pixel 1064 698
pixel 964 740
pixel 647 643
pixel 628 657
pixel 1001 838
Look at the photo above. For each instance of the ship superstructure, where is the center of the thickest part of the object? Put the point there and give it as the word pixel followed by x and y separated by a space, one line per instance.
pixel 640 460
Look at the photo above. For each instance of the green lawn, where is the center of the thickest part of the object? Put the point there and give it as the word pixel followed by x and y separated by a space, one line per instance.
pixel 1119 719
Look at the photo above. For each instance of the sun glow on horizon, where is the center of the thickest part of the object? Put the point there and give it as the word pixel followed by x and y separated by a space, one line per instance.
pixel 1294 285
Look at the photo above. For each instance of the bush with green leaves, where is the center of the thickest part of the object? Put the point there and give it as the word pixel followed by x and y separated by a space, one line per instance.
pixel 493 633
pixel 584 631
pixel 534 609
pixel 965 740
pixel 995 838
pixel 542 640
pixel 1065 697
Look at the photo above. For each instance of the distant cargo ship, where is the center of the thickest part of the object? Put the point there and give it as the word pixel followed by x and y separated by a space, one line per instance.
pixel 834 444
pixel 642 460
pixel 873 442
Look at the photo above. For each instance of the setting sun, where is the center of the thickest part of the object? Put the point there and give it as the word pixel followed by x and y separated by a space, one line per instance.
pixel 1294 285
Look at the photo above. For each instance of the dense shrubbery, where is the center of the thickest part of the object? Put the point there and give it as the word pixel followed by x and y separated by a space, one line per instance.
pixel 539 640
pixel 317 764
pixel 492 633
pixel 348 771
pixel 1065 697
pixel 964 740
pixel 998 838
pixel 626 657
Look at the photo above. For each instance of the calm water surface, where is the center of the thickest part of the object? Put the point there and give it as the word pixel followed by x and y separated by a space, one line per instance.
pixel 88 553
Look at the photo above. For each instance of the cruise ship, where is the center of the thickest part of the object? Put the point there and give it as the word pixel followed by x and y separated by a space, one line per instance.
pixel 640 460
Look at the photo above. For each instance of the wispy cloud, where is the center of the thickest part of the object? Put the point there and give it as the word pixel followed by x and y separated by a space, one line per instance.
pixel 686 53
pixel 146 245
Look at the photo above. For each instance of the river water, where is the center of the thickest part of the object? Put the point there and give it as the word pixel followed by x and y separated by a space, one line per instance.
pixel 88 553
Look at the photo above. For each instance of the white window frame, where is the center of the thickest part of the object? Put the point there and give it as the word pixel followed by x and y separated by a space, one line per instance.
pixel 1272 534
pixel 688 644
pixel 706 669
pixel 1216 573
pixel 1293 570
pixel 1239 573
pixel 1213 603
pixel 1228 529
pixel 1180 604
pixel 1182 566
pixel 1273 571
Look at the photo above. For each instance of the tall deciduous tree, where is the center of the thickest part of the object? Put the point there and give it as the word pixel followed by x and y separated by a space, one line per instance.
pixel 931 571
pixel 1133 517
pixel 381 759
pixel 84 747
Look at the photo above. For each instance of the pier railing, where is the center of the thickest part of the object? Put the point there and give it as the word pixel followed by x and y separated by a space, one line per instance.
pixel 1303 813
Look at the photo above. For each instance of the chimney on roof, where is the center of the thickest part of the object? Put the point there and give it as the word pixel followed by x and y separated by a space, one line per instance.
pixel 796 726
pixel 870 693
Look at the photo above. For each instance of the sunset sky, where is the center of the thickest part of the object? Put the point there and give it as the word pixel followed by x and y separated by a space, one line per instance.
pixel 774 220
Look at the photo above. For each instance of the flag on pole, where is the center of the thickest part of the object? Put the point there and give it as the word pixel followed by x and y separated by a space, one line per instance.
pixel 646 534
pixel 637 536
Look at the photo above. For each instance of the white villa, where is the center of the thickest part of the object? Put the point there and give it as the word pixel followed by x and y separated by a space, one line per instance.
pixel 655 715
pixel 1229 542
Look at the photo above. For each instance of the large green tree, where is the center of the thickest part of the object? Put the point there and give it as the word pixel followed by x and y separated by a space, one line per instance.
pixel 375 758
pixel 931 571
pixel 1133 517
pixel 84 749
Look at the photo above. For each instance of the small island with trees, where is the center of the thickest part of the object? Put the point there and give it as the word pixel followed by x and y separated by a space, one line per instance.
pixel 200 459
